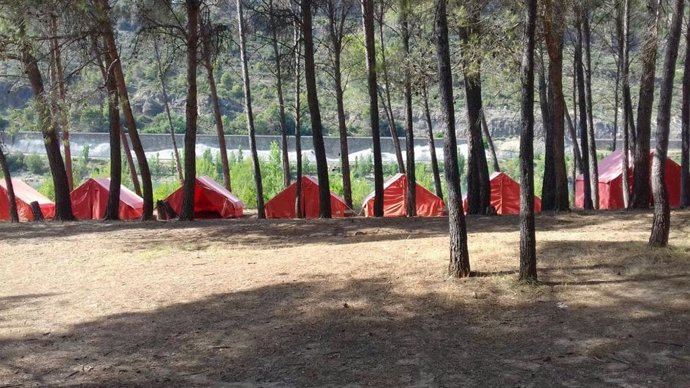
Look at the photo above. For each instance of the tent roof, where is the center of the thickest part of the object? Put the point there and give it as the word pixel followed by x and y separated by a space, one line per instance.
pixel 26 193
pixel 210 184
pixel 611 167
pixel 386 185
pixel 126 195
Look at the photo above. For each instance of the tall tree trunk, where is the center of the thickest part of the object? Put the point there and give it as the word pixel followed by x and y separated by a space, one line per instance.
pixel 113 206
pixel 335 32
pixel 661 223
pixel 63 203
pixel 548 193
pixel 592 149
pixel 279 93
pixel 130 161
pixel 459 265
pixel 582 116
pixel 553 34
pixel 409 128
pixel 478 186
pixel 432 146
pixel 191 112
pixel 370 45
pixel 577 158
pixel 63 110
pixel 12 199
pixel 111 47
pixel 166 102
pixel 490 141
pixel 298 121
pixel 624 43
pixel 215 102
pixel 315 112
pixel 685 131
pixel 528 253
pixel 386 97
pixel 261 211
pixel 640 199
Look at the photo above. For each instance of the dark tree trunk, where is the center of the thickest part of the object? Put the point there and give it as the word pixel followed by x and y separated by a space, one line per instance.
pixel 215 102
pixel 261 211
pixel 191 112
pixel 315 112
pixel 459 265
pixel 478 186
pixel 685 131
pixel 528 252
pixel 592 145
pixel 166 103
pixel 623 41
pixel 299 211
pixel 336 20
pixel 386 97
pixel 577 157
pixel 582 116
pixel 640 198
pixel 490 141
pixel 432 146
pixel 409 129
pixel 14 216
pixel 553 33
pixel 63 203
pixel 279 93
pixel 548 193
pixel 130 161
pixel 661 223
pixel 113 207
pixel 111 47
pixel 370 45
pixel 63 110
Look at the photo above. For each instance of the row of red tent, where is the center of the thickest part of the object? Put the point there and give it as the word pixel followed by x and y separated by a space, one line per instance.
pixel 212 200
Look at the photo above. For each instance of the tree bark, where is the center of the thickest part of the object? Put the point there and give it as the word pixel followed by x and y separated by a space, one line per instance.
pixel 12 199
pixel 459 265
pixel 191 112
pixel 215 102
pixel 624 42
pixel 63 203
pixel 279 93
pixel 490 141
pixel 528 254
pixel 685 131
pixel 113 206
pixel 63 110
pixel 548 193
pixel 592 145
pixel 370 45
pixel 166 102
pixel 409 128
pixel 261 211
pixel 432 147
pixel 315 112
pixel 640 198
pixel 661 223
pixel 298 120
pixel 111 47
pixel 582 116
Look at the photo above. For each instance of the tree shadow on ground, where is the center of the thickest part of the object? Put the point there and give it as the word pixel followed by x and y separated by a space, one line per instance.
pixel 322 333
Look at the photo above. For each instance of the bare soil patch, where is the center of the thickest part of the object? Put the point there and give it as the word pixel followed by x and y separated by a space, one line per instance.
pixel 356 302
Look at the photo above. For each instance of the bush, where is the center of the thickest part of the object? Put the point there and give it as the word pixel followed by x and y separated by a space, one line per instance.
pixel 47 188
pixel 35 164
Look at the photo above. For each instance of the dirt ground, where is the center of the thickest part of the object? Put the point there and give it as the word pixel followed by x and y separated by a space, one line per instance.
pixel 353 302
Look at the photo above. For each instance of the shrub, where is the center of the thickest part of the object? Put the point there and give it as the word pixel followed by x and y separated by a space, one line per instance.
pixel 35 164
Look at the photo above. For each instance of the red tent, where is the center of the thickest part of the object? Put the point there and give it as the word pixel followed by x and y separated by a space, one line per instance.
pixel 505 195
pixel 24 195
pixel 90 200
pixel 283 204
pixel 211 200
pixel 611 182
pixel 395 200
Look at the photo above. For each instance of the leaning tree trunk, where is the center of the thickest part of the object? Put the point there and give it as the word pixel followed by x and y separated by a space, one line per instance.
pixel 191 112
pixel 528 253
pixel 14 215
pixel 685 131
pixel 432 147
pixel 298 122
pixel 113 206
pixel 370 45
pixel 640 199
pixel 490 142
pixel 582 116
pixel 409 128
pixel 592 149
pixel 315 112
pixel 63 203
pixel 261 211
pixel 63 110
pixel 111 47
pixel 279 93
pixel 661 223
pixel 459 265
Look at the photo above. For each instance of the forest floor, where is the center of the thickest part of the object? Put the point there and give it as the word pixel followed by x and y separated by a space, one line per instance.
pixel 358 302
